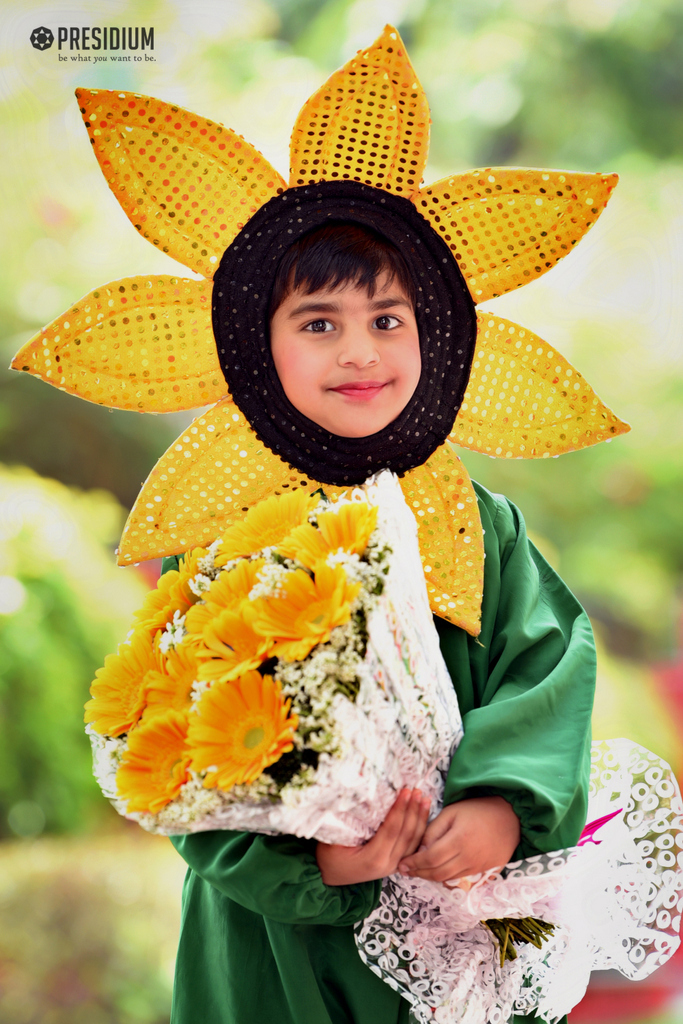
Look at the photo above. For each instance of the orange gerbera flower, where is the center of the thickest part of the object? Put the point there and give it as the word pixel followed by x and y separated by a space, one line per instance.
pixel 349 529
pixel 171 687
pixel 228 647
pixel 156 763
pixel 306 614
pixel 118 691
pixel 228 591
pixel 172 594
pixel 265 525
pixel 239 728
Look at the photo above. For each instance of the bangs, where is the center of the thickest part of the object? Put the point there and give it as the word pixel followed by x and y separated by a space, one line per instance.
pixel 339 254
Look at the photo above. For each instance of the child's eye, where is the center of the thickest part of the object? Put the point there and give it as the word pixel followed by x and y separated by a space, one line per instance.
pixel 319 326
pixel 386 322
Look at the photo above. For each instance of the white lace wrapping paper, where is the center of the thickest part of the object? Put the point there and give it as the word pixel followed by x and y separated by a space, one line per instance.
pixel 616 902
pixel 401 729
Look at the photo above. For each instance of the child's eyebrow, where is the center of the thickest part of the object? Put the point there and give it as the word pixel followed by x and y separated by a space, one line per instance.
pixel 390 300
pixel 316 306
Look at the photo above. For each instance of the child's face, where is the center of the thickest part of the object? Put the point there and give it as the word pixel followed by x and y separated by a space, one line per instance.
pixel 347 361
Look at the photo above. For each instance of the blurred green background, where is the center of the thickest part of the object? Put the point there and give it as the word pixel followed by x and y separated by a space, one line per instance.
pixel 88 904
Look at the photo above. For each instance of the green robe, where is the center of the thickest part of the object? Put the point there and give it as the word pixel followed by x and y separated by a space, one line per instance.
pixel 264 941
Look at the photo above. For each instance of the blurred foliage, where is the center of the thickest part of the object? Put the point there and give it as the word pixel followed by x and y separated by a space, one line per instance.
pixel 63 606
pixel 88 929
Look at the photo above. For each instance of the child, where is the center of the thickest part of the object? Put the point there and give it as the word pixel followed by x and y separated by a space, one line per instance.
pixel 267 927
pixel 343 327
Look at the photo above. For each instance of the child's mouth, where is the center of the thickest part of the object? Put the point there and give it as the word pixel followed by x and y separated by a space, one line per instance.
pixel 362 390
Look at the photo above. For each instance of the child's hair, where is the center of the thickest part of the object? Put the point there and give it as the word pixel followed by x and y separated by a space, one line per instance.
pixel 336 254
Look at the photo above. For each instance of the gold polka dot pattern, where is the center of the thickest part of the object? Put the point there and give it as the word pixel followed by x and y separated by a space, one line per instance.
pixel 209 478
pixel 525 401
pixel 217 470
pixel 506 226
pixel 141 343
pixel 188 185
pixel 441 496
pixel 368 123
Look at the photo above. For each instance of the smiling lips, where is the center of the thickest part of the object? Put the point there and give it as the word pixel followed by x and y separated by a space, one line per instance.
pixel 361 390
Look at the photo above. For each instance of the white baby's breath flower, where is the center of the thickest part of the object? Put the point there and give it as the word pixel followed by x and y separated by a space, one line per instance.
pixel 199 584
pixel 199 687
pixel 173 634
pixel 270 583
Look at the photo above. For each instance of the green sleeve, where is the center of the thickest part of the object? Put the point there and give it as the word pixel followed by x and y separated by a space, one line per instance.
pixel 525 688
pixel 275 876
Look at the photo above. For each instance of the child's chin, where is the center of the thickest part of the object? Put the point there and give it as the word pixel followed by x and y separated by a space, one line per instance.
pixel 358 429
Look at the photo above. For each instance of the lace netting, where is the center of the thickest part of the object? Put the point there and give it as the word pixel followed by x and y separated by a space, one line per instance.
pixel 615 901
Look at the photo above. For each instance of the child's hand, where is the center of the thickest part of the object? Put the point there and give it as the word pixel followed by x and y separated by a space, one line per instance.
pixel 466 838
pixel 398 836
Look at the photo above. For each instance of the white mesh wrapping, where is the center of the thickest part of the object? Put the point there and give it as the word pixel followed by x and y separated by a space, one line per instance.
pixel 616 903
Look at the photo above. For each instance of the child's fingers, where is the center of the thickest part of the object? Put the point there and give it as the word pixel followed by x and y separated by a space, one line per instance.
pixel 430 857
pixel 420 824
pixel 438 828
pixel 388 834
pixel 413 826
pixel 456 867
pixel 402 830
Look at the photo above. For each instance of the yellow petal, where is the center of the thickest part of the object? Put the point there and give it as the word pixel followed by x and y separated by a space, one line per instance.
pixel 525 401
pixel 441 496
pixel 141 343
pixel 507 226
pixel 187 185
pixel 369 122
pixel 266 525
pixel 208 479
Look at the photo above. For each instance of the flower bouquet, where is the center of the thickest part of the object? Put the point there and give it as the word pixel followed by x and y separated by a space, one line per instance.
pixel 286 679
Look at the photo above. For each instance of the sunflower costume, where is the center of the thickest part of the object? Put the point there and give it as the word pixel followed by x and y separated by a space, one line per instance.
pixel 262 938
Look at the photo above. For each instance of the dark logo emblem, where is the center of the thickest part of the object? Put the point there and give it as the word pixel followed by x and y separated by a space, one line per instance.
pixel 42 38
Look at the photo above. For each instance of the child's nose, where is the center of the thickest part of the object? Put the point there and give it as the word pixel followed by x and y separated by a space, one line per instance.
pixel 358 349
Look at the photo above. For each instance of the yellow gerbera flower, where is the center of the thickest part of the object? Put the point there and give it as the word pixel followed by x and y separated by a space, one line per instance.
pixel 227 592
pixel 265 525
pixel 171 687
pixel 228 647
pixel 118 691
pixel 349 529
pixel 172 594
pixel 306 614
pixel 156 763
pixel 240 728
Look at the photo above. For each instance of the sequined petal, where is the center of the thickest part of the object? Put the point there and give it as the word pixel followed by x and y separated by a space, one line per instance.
pixel 507 226
pixel 525 401
pixel 369 122
pixel 209 478
pixel 187 184
pixel 441 497
pixel 141 343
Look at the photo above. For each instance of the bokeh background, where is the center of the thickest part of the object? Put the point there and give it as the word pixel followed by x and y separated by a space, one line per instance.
pixel 89 905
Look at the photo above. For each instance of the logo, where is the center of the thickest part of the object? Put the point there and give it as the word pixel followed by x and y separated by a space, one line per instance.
pixel 42 38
